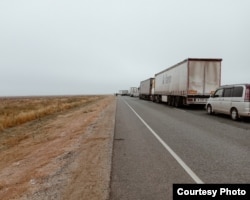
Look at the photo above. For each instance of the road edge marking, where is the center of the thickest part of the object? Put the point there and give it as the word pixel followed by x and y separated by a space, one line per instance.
pixel 176 157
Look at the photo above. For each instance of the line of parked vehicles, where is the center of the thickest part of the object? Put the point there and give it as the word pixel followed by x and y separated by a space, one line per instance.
pixel 196 81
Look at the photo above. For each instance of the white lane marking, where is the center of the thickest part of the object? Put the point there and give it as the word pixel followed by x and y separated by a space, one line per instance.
pixel 176 157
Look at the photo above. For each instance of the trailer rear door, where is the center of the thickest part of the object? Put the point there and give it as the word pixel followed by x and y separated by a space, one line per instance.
pixel 204 77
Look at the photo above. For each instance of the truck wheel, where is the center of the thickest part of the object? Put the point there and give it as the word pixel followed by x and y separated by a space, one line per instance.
pixel 176 102
pixel 172 101
pixel 157 100
pixel 209 110
pixel 168 101
pixel 234 114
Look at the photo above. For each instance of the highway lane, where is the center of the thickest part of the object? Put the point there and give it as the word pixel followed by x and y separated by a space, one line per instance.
pixel 215 148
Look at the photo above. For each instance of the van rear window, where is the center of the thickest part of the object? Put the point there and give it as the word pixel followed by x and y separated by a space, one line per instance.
pixel 237 92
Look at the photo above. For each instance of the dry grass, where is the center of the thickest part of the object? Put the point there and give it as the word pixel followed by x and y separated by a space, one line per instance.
pixel 18 110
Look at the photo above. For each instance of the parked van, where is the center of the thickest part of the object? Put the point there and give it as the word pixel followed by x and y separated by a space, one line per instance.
pixel 233 100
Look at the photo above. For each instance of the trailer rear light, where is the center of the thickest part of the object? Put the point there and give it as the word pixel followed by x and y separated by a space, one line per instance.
pixel 192 92
pixel 247 94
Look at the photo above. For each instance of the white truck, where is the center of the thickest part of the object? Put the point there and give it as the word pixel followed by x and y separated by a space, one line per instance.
pixel 134 92
pixel 123 92
pixel 146 89
pixel 191 81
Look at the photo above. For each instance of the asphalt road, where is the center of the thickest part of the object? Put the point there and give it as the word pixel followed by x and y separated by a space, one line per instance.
pixel 156 145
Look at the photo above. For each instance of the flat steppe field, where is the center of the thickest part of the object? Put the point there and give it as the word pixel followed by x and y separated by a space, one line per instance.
pixel 56 147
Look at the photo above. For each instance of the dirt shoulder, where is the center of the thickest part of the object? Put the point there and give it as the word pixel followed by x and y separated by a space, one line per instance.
pixel 62 156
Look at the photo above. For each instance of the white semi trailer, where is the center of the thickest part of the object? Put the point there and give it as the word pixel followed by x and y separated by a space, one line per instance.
pixel 146 89
pixel 191 81
pixel 123 92
pixel 134 92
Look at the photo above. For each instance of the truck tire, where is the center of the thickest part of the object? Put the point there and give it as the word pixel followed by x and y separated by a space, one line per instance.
pixel 172 101
pixel 168 100
pixel 176 102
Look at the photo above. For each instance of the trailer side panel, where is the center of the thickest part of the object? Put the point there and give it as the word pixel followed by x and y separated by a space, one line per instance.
pixel 188 82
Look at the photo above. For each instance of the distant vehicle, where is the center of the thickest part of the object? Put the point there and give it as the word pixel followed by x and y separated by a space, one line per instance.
pixel 123 92
pixel 233 100
pixel 191 81
pixel 134 92
pixel 146 89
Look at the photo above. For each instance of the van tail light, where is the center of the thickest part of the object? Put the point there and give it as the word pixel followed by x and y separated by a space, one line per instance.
pixel 247 94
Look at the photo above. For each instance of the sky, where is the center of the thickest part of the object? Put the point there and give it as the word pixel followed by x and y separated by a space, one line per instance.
pixel 67 47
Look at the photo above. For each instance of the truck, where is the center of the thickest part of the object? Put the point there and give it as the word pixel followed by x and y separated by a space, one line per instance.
pixel 134 92
pixel 191 81
pixel 123 92
pixel 146 89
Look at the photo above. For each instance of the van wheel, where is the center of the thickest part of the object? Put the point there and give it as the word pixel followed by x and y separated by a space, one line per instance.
pixel 209 110
pixel 234 114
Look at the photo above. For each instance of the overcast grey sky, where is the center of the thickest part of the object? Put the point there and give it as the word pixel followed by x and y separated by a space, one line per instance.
pixel 53 47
